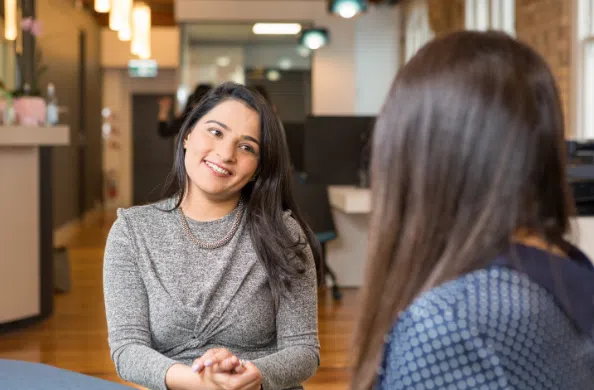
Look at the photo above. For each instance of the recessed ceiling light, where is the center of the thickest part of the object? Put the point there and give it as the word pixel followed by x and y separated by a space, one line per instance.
pixel 303 51
pixel 347 8
pixel 285 63
pixel 276 28
pixel 273 75
pixel 314 38
pixel 223 61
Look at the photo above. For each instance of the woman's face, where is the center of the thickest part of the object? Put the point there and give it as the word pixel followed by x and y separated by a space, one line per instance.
pixel 223 150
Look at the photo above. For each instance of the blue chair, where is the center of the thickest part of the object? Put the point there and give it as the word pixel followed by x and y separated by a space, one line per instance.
pixel 314 205
pixel 19 375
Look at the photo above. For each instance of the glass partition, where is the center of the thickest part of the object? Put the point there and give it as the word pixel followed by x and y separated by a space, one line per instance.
pixel 216 52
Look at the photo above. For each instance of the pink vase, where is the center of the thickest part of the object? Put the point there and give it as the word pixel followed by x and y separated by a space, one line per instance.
pixel 30 111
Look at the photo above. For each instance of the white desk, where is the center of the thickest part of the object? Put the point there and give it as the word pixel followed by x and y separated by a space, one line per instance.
pixel 347 254
pixel 351 207
pixel 23 210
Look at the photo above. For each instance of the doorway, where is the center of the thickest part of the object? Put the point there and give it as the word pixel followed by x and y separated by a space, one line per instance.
pixel 153 154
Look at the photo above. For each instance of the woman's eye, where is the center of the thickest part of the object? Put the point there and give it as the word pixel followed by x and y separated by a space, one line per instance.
pixel 248 148
pixel 215 132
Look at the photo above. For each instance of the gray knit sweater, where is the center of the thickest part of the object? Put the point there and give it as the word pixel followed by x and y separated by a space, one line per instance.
pixel 169 301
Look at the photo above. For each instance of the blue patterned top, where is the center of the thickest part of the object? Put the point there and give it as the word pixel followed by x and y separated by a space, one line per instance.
pixel 524 322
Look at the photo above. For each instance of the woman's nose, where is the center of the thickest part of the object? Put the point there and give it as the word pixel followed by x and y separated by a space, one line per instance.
pixel 226 151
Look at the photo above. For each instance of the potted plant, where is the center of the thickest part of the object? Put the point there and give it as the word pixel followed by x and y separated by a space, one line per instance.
pixel 29 105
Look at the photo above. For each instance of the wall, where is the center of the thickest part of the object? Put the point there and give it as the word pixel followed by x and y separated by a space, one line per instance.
pixel 117 96
pixel 165 44
pixel 546 25
pixel 377 57
pixel 59 43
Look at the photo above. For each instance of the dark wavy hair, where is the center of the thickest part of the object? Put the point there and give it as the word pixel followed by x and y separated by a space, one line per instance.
pixel 468 150
pixel 266 198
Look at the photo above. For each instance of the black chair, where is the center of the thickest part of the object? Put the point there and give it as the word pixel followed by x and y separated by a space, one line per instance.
pixel 314 205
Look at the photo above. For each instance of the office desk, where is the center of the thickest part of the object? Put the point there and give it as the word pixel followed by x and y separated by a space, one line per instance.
pixel 26 285
pixel 346 255
pixel 351 207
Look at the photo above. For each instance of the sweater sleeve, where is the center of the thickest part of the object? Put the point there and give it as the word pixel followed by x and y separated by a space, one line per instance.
pixel 298 355
pixel 127 311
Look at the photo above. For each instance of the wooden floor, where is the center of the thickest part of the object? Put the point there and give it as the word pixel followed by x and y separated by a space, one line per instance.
pixel 75 337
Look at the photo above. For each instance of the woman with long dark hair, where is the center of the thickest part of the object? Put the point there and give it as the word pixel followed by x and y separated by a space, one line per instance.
pixel 215 286
pixel 470 283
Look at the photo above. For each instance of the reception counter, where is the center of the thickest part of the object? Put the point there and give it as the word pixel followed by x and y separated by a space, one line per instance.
pixel 26 285
pixel 351 207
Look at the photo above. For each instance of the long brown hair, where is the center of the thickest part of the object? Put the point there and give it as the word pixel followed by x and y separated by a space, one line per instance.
pixel 468 148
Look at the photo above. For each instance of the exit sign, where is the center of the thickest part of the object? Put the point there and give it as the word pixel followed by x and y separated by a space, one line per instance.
pixel 142 68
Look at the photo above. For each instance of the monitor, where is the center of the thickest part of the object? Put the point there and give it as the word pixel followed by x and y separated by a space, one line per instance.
pixel 337 149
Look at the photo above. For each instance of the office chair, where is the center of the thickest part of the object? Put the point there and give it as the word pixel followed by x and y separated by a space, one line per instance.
pixel 314 205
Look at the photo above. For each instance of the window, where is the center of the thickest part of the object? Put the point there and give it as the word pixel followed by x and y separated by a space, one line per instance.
pixel 490 15
pixel 585 84
pixel 418 29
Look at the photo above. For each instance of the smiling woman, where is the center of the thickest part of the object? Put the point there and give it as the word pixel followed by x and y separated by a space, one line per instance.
pixel 222 153
pixel 215 285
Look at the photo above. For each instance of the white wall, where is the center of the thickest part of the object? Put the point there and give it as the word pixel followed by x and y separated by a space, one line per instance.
pixel 377 57
pixel 118 89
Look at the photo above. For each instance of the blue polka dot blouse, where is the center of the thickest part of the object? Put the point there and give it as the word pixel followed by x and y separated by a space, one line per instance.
pixel 512 325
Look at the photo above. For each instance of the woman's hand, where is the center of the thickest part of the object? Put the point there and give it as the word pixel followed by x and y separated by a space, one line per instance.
pixel 223 370
pixel 250 378
pixel 218 360
pixel 165 104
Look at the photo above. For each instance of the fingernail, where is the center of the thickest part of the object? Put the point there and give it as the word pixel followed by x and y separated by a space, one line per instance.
pixel 195 367
pixel 208 363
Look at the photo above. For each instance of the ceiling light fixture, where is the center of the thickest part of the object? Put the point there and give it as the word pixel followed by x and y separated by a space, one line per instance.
pixel 125 31
pixel 115 15
pixel 347 8
pixel 141 35
pixel 102 6
pixel 10 20
pixel 273 75
pixel 223 61
pixel 285 63
pixel 276 28
pixel 314 38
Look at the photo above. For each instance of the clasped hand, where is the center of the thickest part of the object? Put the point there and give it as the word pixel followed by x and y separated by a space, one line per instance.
pixel 221 369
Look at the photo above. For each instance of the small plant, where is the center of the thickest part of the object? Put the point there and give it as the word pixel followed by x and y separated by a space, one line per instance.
pixel 33 27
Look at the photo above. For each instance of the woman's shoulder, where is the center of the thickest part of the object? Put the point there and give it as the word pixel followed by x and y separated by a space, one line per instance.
pixel 489 297
pixel 151 210
pixel 291 223
pixel 493 317
pixel 143 218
